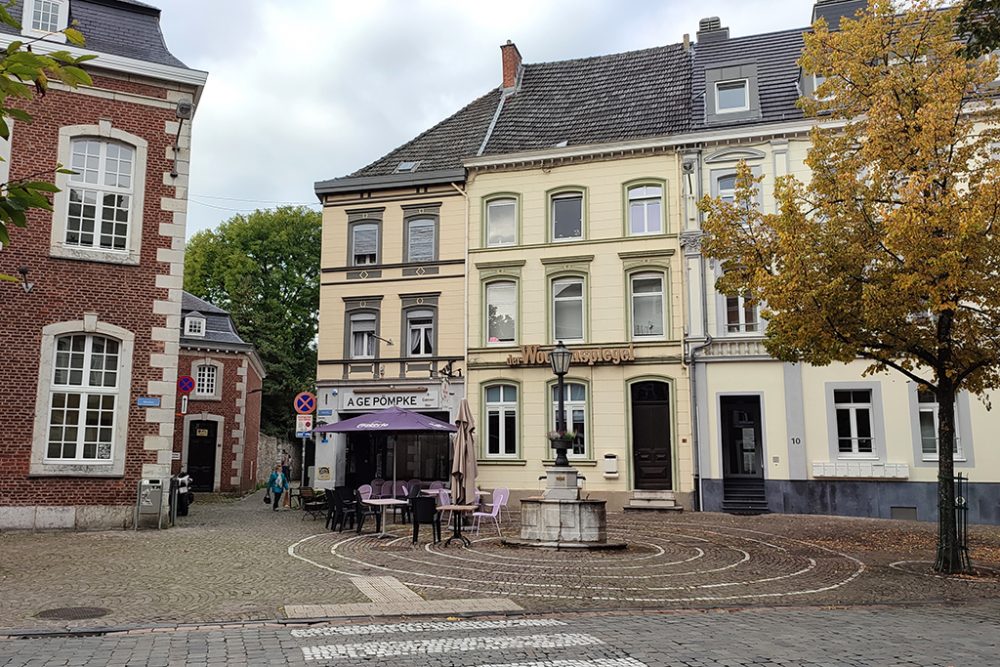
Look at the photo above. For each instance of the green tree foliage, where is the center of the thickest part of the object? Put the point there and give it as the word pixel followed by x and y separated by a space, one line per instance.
pixel 890 252
pixel 24 74
pixel 979 25
pixel 264 269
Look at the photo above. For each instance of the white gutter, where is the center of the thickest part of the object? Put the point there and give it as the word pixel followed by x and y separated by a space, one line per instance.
pixel 673 141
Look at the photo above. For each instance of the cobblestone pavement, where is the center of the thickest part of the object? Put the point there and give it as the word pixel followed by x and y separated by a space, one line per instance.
pixel 852 636
pixel 239 561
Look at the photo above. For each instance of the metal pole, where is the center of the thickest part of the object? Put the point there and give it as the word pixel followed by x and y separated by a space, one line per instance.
pixel 303 482
pixel 561 460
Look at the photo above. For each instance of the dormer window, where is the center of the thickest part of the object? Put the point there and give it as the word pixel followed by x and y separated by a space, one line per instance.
pixel 45 18
pixel 732 96
pixel 194 326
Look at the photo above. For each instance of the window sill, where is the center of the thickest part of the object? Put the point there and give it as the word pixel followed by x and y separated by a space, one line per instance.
pixel 582 463
pixel 91 255
pixel 207 397
pixel 501 462
pixel 936 459
pixel 111 469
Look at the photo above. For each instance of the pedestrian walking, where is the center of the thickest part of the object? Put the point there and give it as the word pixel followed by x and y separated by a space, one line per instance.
pixel 276 485
pixel 286 469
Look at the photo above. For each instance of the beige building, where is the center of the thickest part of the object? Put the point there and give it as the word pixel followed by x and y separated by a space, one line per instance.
pixel 393 266
pixel 582 249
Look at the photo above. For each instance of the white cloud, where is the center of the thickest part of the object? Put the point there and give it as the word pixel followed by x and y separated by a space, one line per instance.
pixel 314 89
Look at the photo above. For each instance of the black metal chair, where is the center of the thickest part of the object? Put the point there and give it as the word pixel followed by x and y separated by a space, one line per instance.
pixel 339 511
pixel 361 511
pixel 411 493
pixel 423 509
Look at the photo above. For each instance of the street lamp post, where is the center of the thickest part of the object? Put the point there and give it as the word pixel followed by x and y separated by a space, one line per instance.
pixel 560 358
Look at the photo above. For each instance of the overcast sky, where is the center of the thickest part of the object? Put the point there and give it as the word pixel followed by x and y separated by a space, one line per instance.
pixel 306 90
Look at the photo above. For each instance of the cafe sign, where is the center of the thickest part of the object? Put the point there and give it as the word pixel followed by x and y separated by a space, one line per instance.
pixel 415 398
pixel 534 355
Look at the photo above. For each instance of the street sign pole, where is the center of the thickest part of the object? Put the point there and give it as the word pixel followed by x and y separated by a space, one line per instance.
pixel 304 404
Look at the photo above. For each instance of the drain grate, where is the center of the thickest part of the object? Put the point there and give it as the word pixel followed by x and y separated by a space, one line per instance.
pixel 72 613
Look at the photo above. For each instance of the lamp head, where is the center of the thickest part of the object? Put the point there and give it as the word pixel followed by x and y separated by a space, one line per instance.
pixel 560 357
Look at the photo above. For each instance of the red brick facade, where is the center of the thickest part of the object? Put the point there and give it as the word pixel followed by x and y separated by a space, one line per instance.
pixel 239 407
pixel 137 298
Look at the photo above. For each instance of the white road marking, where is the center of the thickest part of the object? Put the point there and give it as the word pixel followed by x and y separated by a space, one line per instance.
pixel 599 662
pixel 442 626
pixel 445 645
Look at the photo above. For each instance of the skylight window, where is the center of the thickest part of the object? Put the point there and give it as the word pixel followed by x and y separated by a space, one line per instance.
pixel 406 167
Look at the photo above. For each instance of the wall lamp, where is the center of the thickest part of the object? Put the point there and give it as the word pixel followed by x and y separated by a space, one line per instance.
pixel 25 285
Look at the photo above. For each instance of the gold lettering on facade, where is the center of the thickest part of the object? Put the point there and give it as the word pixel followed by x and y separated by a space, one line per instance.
pixel 534 355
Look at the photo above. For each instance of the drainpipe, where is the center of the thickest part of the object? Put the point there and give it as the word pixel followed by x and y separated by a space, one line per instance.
pixel 465 291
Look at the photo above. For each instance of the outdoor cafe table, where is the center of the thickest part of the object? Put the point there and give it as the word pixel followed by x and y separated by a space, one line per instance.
pixel 382 503
pixel 457 511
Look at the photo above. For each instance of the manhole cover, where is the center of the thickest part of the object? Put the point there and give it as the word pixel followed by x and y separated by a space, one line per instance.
pixel 72 613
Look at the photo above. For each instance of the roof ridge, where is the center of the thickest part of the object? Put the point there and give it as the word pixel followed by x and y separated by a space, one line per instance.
pixel 584 59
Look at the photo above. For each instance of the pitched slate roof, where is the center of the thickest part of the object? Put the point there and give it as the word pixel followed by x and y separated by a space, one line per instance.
pixel 776 55
pixel 219 328
pixel 590 100
pixel 126 28
pixel 615 97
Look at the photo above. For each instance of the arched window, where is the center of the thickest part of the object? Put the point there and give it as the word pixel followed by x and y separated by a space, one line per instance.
pixel 100 195
pixel 420 333
pixel 501 222
pixel 501 420
pixel 575 406
pixel 567 309
pixel 647 305
pixel 501 312
pixel 645 210
pixel 362 332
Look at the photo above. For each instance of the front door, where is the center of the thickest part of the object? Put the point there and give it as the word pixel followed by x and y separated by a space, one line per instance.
pixel 651 455
pixel 742 449
pixel 201 454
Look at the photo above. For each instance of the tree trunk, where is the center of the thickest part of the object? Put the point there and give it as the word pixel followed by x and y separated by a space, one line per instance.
pixel 949 552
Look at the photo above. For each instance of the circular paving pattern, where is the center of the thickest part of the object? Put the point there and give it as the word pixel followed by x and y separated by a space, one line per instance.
pixel 678 563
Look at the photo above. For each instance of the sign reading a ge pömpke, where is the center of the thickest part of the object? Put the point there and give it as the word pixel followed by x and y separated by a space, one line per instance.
pixel 376 401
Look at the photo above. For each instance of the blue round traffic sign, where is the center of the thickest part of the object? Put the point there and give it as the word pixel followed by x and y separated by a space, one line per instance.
pixel 185 384
pixel 305 403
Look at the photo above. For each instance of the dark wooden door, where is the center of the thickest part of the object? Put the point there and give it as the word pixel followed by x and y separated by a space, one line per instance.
pixel 742 449
pixel 201 454
pixel 651 455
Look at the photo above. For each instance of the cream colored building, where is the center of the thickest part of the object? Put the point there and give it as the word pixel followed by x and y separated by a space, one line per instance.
pixel 390 329
pixel 583 250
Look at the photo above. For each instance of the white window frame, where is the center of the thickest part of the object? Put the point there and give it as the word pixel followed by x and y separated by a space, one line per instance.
pixel 741 326
pixel 103 131
pixel 62 20
pixel 583 307
pixel 746 96
pixel 571 405
pixel 503 409
pixel 196 371
pixel 194 326
pixel 425 331
pixel 853 408
pixel 931 407
pixel 646 275
pixel 644 200
pixel 40 464
pixel 370 342
pixel 486 312
pixel 568 194
pixel 498 202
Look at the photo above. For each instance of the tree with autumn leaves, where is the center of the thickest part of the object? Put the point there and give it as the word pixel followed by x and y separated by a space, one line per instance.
pixel 891 251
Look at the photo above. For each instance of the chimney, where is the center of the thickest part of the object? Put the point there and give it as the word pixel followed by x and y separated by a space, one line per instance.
pixel 511 64
pixel 710 30
pixel 687 42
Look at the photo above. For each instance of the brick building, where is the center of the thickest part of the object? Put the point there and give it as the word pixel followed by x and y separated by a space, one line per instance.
pixel 216 434
pixel 91 336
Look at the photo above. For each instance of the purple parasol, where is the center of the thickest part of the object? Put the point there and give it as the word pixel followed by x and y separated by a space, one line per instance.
pixel 388 421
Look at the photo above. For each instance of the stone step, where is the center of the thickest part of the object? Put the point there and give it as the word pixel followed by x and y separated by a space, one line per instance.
pixel 653 502
pixel 648 494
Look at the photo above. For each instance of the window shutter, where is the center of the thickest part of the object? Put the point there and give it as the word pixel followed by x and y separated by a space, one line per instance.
pixel 366 240
pixel 421 241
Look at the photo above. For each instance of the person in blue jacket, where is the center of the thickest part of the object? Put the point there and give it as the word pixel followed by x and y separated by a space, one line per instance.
pixel 277 484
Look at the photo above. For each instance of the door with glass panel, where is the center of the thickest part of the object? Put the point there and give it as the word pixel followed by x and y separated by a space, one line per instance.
pixel 742 449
